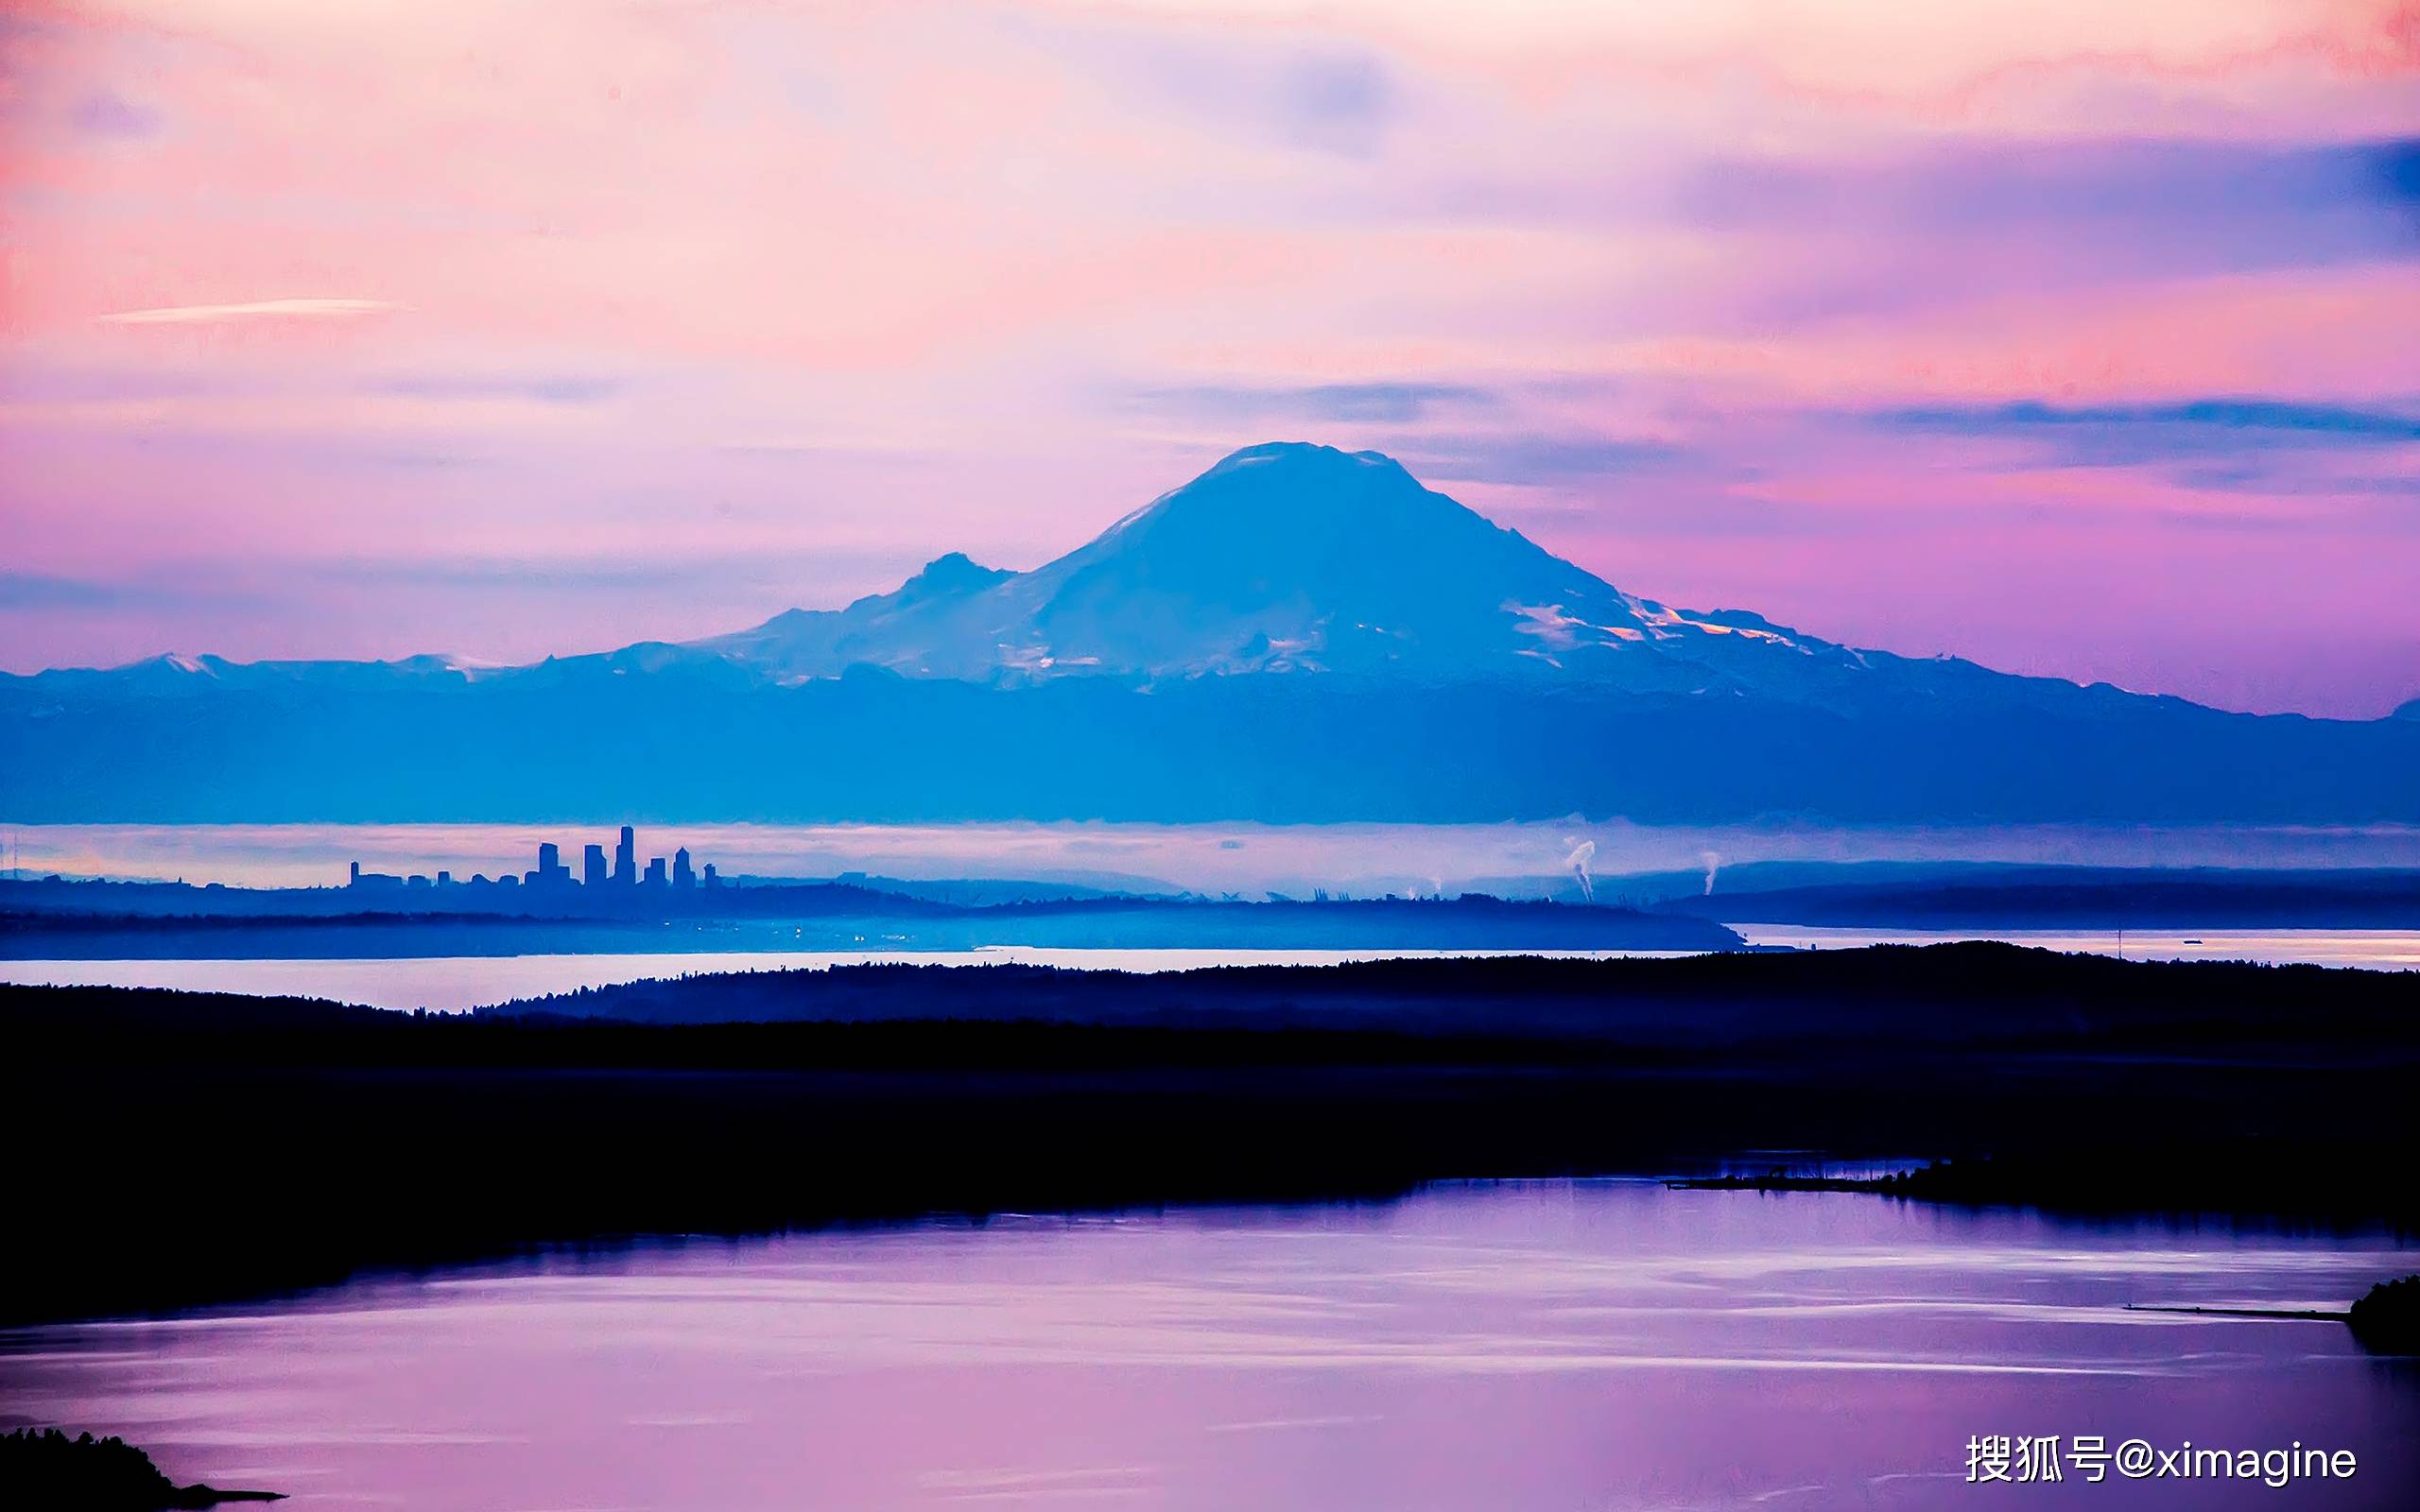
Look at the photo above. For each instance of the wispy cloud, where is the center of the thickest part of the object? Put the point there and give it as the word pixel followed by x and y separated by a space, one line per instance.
pixel 543 388
pixel 2263 476
pixel 43 590
pixel 701 574
pixel 1328 94
pixel 38 592
pixel 2187 430
pixel 2213 203
pixel 1533 457
pixel 104 113
pixel 1383 403
pixel 316 309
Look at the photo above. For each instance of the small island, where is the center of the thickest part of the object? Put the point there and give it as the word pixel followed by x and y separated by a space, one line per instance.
pixel 2387 1318
pixel 2144 1174
pixel 43 1467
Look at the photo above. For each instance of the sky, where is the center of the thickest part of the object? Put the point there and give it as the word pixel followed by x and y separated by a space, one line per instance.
pixel 2072 337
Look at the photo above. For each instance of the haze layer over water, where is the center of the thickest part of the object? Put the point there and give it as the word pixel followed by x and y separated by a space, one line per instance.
pixel 1202 857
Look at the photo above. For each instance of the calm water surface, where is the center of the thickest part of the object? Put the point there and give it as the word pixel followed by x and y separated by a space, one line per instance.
pixel 2375 949
pixel 450 983
pixel 1593 1345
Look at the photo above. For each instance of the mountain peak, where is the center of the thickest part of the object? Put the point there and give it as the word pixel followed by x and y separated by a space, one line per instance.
pixel 1285 496
pixel 952 573
pixel 1304 466
pixel 1302 454
pixel 1287 557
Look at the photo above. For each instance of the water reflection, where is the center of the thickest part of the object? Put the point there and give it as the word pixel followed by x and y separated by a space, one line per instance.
pixel 1593 1344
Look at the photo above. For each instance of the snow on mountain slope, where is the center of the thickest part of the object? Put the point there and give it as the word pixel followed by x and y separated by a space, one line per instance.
pixel 1283 559
pixel 1290 558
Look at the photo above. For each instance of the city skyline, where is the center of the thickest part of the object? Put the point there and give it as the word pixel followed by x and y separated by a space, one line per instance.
pixel 551 873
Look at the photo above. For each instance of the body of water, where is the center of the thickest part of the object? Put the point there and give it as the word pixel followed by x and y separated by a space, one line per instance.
pixel 1566 1347
pixel 2376 949
pixel 451 982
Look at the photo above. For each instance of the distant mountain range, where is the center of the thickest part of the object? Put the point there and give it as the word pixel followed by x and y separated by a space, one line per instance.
pixel 1298 634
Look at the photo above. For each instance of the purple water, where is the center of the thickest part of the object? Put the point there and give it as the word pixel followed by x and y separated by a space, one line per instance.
pixel 1590 1346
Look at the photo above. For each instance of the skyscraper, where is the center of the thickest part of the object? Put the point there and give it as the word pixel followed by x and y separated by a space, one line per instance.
pixel 655 872
pixel 626 859
pixel 591 867
pixel 683 876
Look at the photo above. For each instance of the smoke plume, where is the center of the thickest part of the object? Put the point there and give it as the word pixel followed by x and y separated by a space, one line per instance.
pixel 1578 861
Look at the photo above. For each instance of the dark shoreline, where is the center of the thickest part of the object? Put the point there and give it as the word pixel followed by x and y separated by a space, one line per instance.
pixel 203 1148
pixel 48 1469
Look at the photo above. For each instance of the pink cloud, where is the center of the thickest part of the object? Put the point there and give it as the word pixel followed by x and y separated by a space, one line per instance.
pixel 313 295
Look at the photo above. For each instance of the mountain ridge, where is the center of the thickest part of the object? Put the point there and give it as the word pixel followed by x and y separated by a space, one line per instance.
pixel 1282 559
pixel 1300 635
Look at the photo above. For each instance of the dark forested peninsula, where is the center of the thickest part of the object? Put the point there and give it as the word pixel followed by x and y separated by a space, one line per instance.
pixel 207 1146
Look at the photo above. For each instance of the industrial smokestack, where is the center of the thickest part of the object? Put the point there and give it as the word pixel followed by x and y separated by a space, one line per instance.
pixel 1578 861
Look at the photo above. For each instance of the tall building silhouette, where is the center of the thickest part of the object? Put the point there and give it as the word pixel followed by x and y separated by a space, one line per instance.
pixel 681 871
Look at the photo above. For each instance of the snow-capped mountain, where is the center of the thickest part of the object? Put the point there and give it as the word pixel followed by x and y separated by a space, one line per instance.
pixel 1282 559
pixel 1298 634
pixel 1294 558
pixel 1286 558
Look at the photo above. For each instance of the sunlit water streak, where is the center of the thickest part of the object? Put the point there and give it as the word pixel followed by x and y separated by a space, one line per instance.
pixel 451 982
pixel 1598 1345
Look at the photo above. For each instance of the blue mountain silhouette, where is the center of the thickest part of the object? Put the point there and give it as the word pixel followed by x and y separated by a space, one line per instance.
pixel 1298 634
pixel 1298 558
